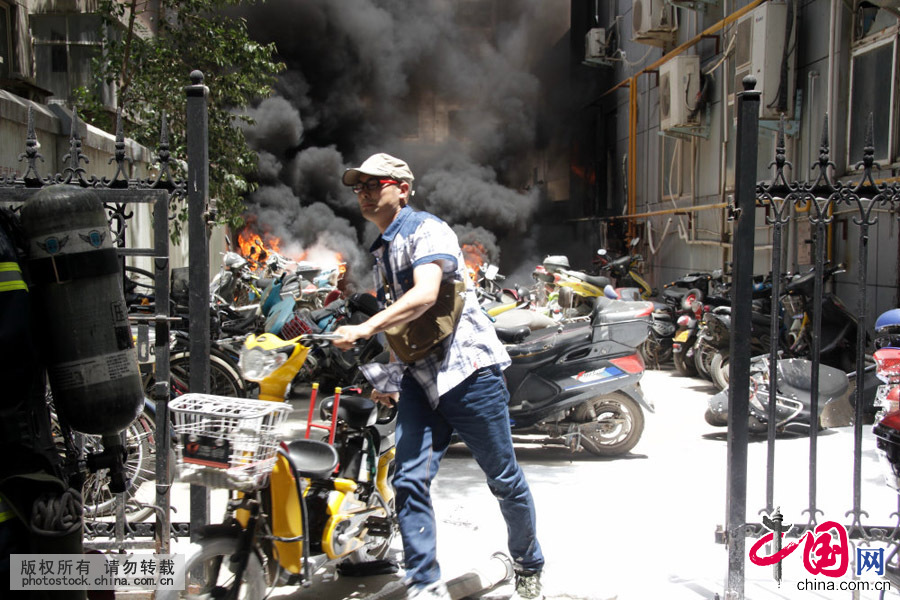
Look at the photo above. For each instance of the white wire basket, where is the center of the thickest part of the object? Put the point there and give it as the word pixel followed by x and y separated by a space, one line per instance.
pixel 226 442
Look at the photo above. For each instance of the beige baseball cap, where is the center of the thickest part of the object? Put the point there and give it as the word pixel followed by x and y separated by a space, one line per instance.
pixel 380 165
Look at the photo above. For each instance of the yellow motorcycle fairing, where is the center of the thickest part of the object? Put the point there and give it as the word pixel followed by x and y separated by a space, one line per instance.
pixel 646 290
pixel 582 288
pixel 382 484
pixel 502 308
pixel 347 514
pixel 286 517
pixel 273 387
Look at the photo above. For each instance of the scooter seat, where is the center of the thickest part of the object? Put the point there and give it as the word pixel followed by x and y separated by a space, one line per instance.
pixel 312 458
pixel 660 307
pixel 536 349
pixel 796 373
pixel 513 335
pixel 358 412
pixel 615 311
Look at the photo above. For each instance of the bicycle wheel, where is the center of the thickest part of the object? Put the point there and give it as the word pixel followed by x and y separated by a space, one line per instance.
pixel 224 377
pixel 140 468
pixel 210 574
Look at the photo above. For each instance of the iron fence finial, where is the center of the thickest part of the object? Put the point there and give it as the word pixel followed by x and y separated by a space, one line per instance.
pixel 31 178
pixel 120 178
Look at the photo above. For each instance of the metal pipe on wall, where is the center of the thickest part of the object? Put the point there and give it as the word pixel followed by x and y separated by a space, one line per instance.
pixel 631 83
pixel 832 65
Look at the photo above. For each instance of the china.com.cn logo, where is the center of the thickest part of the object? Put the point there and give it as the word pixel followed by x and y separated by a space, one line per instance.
pixel 826 550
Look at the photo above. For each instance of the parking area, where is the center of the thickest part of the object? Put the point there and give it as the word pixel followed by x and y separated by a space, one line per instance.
pixel 638 526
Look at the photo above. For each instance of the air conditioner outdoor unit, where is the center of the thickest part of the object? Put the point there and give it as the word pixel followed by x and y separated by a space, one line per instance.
pixel 595 44
pixel 760 51
pixel 653 22
pixel 679 82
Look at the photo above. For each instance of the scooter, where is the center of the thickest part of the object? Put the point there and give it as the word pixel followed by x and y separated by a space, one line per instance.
pixel 792 397
pixel 296 504
pixel 887 362
pixel 626 270
pixel 575 291
pixel 579 382
pixel 688 323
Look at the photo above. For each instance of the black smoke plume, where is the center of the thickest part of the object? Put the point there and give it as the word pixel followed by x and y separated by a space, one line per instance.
pixel 447 86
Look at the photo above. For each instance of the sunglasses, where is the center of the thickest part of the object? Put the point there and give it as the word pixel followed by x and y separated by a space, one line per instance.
pixel 373 185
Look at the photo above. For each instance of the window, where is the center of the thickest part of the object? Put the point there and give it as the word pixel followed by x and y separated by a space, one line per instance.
pixel 64 45
pixel 6 55
pixel 873 76
pixel 873 82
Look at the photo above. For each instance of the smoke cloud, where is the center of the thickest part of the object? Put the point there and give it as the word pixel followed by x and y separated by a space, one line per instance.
pixel 447 86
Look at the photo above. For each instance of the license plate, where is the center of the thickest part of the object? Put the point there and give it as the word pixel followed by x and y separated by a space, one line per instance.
pixel 682 336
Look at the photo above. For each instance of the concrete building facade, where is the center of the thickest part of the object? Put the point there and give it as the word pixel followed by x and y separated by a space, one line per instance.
pixel 663 137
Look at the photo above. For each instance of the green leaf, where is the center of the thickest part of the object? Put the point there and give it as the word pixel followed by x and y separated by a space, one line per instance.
pixel 152 73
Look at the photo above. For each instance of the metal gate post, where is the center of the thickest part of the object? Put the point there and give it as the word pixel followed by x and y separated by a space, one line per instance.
pixel 198 240
pixel 744 214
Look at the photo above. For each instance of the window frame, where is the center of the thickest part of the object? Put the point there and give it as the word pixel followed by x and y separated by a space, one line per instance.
pixel 8 67
pixel 870 43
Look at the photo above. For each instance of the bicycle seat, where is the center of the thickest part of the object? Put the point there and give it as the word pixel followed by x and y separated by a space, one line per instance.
pixel 312 458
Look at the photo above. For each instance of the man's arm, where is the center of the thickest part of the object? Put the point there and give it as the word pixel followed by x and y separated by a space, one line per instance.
pixel 411 305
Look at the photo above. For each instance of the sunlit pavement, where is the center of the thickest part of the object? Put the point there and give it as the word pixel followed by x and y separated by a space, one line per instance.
pixel 637 526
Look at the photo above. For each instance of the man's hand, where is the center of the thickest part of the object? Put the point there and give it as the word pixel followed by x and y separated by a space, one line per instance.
pixel 388 399
pixel 350 334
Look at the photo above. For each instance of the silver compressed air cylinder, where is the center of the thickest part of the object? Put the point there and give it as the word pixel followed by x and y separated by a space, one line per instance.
pixel 79 303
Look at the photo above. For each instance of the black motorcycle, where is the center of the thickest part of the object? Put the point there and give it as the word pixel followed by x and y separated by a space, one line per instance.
pixel 580 382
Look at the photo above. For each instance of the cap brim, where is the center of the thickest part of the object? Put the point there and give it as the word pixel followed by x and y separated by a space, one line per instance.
pixel 351 177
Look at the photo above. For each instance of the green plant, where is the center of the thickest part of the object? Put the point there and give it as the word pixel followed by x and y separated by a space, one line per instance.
pixel 151 69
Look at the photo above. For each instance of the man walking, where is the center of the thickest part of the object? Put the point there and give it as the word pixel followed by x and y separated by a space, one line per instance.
pixel 458 387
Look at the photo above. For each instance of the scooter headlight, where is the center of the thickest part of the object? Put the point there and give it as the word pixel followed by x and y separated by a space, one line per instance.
pixel 257 363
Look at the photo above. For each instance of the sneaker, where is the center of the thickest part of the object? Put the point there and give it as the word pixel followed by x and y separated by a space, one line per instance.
pixel 432 591
pixel 528 587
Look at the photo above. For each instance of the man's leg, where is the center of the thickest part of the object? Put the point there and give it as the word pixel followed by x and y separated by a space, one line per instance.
pixel 477 410
pixel 422 440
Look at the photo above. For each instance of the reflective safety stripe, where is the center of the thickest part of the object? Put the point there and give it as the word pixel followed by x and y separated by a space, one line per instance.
pixel 6 512
pixel 11 277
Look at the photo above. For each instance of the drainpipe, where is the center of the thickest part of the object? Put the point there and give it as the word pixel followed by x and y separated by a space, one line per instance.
pixel 832 65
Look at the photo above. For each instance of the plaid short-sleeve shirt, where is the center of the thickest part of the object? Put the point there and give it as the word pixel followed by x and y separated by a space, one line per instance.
pixel 415 238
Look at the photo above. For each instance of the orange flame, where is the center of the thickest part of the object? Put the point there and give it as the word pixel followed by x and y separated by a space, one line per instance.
pixel 475 255
pixel 255 247
pixel 256 244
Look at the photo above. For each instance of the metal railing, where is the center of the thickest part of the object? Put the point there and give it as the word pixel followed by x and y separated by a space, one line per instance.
pixel 119 195
pixel 780 198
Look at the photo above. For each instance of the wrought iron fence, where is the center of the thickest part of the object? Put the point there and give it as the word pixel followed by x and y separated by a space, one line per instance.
pixel 820 198
pixel 120 194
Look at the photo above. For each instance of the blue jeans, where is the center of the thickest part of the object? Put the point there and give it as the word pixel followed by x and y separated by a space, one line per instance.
pixel 477 410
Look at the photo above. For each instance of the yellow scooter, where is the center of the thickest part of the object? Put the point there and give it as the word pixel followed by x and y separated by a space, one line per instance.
pixel 575 292
pixel 294 505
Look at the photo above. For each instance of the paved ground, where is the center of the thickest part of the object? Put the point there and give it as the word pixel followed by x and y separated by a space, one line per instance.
pixel 643 525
